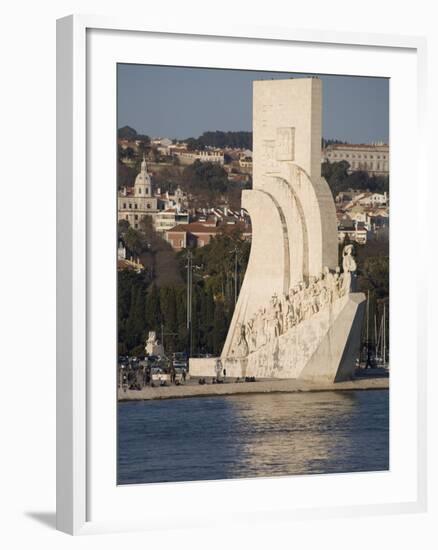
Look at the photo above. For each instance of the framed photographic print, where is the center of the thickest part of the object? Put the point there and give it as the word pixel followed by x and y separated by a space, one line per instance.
pixel 235 337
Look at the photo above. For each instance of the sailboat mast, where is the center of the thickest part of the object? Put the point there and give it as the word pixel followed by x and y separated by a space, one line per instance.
pixel 375 333
pixel 368 318
pixel 384 334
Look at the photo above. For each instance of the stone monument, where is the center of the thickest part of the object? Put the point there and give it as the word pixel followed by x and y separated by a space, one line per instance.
pixel 297 315
pixel 153 346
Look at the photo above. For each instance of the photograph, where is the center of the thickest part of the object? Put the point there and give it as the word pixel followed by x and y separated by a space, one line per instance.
pixel 252 213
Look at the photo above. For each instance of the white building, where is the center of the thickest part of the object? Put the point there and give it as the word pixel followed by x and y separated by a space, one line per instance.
pixel 139 201
pixel 373 158
pixel 373 199
pixel 166 219
pixel 208 155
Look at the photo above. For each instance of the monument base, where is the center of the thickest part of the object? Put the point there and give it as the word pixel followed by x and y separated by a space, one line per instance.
pixel 204 367
pixel 321 349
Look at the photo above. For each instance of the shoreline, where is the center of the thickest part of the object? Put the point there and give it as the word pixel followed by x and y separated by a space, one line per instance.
pixel 245 388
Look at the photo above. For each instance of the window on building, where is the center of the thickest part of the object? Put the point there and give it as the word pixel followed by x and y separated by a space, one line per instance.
pixel 136 217
pixel 124 205
pixel 148 205
pixel 130 205
pixel 136 206
pixel 136 226
pixel 139 190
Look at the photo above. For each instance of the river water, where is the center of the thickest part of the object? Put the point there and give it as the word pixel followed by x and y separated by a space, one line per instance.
pixel 253 435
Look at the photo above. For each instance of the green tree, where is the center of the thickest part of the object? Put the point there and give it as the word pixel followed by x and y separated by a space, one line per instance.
pixel 126 132
pixel 122 228
pixel 220 327
pixel 153 315
pixel 205 181
pixel 135 241
pixel 135 323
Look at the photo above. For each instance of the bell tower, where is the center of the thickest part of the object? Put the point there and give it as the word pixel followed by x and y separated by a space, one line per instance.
pixel 143 185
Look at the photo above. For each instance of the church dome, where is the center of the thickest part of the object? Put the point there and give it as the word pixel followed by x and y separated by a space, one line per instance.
pixel 143 177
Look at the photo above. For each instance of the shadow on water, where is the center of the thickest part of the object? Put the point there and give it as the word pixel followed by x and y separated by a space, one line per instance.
pixel 253 435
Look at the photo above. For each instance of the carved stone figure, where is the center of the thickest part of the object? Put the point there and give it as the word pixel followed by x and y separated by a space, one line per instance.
pixel 277 306
pixel 323 294
pixel 260 328
pixel 296 305
pixel 251 335
pixel 314 295
pixel 284 304
pixel 153 347
pixel 289 313
pixel 273 322
pixel 330 285
pixel 306 301
pixel 349 266
pixel 241 349
pixel 338 282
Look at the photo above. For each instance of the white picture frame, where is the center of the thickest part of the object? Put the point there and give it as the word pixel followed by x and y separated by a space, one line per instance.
pixel 77 489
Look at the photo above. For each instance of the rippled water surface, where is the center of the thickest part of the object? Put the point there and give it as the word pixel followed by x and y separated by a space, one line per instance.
pixel 253 435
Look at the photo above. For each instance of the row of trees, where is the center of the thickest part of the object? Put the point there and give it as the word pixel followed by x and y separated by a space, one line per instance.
pixel 205 182
pixel 155 299
pixel 239 139
pixel 207 185
pixel 127 132
pixel 163 310
pixel 338 178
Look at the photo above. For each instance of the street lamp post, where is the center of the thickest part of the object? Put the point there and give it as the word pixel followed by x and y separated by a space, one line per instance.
pixel 235 252
pixel 189 298
pixel 190 269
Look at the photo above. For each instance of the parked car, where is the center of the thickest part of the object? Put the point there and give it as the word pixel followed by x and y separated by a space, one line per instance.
pixel 179 360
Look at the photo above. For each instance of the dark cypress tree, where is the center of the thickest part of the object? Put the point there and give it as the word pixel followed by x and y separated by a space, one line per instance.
pixel 135 322
pixel 181 314
pixel 153 310
pixel 209 319
pixel 220 328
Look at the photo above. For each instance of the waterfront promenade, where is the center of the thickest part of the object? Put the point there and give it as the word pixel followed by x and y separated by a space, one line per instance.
pixel 193 389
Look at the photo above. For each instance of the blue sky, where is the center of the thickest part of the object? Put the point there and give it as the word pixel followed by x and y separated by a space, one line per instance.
pixel 180 102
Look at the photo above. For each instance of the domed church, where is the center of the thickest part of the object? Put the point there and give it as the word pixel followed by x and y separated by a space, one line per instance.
pixel 139 201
